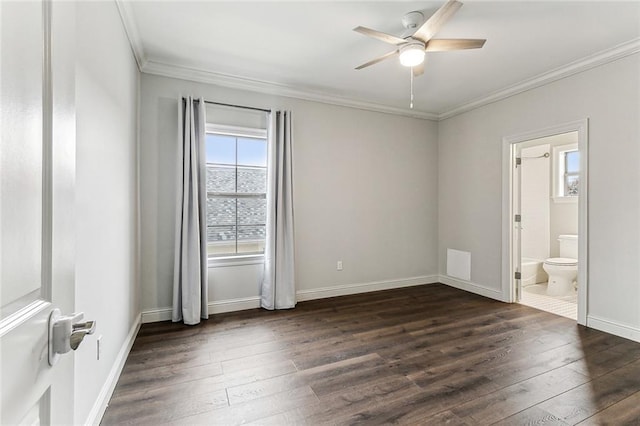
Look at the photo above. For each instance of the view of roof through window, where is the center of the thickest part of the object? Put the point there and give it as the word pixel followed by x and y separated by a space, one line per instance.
pixel 236 194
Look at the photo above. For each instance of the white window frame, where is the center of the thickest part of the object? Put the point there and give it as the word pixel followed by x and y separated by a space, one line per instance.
pixel 559 162
pixel 236 259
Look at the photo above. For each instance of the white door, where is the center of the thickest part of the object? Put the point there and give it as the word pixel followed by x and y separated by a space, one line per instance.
pixel 37 172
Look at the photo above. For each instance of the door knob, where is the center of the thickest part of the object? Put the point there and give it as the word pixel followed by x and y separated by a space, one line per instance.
pixel 66 333
pixel 79 330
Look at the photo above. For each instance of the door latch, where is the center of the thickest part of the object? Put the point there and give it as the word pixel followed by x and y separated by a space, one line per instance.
pixel 66 332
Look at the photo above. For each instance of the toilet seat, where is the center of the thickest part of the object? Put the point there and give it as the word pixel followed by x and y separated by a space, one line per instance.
pixel 561 261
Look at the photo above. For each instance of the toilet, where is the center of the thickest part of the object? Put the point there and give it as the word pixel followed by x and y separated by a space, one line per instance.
pixel 563 270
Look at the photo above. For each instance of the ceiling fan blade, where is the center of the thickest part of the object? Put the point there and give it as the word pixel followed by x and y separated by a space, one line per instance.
pixel 437 20
pixel 387 38
pixel 441 45
pixel 378 59
pixel 418 70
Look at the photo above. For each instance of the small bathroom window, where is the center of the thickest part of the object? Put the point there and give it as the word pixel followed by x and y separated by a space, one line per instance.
pixel 566 173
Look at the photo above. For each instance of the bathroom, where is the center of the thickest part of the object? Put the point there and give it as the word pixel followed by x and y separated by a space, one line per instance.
pixel 549 187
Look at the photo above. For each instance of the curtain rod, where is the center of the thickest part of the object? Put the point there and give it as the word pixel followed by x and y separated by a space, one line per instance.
pixel 237 106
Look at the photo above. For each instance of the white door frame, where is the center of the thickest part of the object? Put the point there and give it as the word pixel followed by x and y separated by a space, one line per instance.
pixel 508 211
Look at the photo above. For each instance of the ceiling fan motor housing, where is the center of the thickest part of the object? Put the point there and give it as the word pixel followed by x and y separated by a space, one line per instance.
pixel 412 20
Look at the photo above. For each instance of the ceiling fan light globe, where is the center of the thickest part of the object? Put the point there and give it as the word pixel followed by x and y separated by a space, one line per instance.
pixel 412 56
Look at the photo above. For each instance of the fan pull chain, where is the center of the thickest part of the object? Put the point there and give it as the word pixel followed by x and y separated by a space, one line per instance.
pixel 411 103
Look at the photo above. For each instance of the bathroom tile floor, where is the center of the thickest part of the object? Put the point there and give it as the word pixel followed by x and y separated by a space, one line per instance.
pixel 535 296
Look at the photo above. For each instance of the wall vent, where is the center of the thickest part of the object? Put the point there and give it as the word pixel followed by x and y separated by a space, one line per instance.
pixel 459 264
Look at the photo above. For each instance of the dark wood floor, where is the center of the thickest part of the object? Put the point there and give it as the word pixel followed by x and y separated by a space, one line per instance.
pixel 422 355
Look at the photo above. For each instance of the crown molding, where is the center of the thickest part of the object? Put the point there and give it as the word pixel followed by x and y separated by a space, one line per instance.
pixel 603 57
pixel 271 88
pixel 178 71
pixel 131 29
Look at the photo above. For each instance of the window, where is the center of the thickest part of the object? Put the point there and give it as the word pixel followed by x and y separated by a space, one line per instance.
pixel 571 173
pixel 236 191
pixel 566 173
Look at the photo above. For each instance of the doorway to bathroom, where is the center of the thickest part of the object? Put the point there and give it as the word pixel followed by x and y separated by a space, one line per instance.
pixel 545 238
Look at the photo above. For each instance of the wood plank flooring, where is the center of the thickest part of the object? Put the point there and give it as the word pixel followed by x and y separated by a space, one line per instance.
pixel 421 355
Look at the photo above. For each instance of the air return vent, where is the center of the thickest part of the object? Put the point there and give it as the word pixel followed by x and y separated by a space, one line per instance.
pixel 459 264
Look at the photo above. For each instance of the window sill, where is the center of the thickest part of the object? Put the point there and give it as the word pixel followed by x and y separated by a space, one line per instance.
pixel 564 200
pixel 225 261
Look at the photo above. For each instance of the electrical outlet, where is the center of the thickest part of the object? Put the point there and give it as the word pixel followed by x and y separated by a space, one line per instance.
pixel 339 265
pixel 99 347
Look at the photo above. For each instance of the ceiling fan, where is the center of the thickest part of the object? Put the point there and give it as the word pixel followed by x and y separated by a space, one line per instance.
pixel 412 45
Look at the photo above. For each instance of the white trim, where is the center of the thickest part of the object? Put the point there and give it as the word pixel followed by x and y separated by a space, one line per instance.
pixel 346 289
pixel 508 144
pixel 613 327
pixel 102 401
pixel 131 30
pixel 601 58
pixel 472 287
pixel 241 304
pixel 232 305
pixel 278 89
pixel 156 315
pixel 220 262
pixel 223 129
pixel 23 315
pixel 177 71
pixel 583 222
pixel 215 307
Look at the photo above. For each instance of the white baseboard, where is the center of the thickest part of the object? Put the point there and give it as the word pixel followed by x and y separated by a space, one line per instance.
pixel 472 287
pixel 215 307
pixel 233 305
pixel 346 289
pixel 99 407
pixel 613 327
pixel 156 315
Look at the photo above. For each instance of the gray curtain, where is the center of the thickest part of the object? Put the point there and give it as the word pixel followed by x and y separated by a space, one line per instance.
pixel 190 266
pixel 278 290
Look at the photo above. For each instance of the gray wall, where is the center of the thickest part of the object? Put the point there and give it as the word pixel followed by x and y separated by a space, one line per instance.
pixel 107 285
pixel 365 192
pixel 470 182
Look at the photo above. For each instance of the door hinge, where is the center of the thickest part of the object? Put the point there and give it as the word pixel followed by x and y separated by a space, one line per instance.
pixel 518 275
pixel 517 218
pixel 518 161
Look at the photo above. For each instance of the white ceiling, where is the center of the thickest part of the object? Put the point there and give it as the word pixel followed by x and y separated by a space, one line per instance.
pixel 308 49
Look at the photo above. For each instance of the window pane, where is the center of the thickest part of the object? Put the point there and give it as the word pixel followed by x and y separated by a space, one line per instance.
pixel 251 238
pixel 572 162
pixel 252 211
pixel 572 185
pixel 221 240
pixel 252 152
pixel 252 180
pixel 221 211
pixel 221 178
pixel 221 149
pixel 236 165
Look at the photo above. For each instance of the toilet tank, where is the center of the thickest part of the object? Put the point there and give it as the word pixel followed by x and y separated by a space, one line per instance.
pixel 568 246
